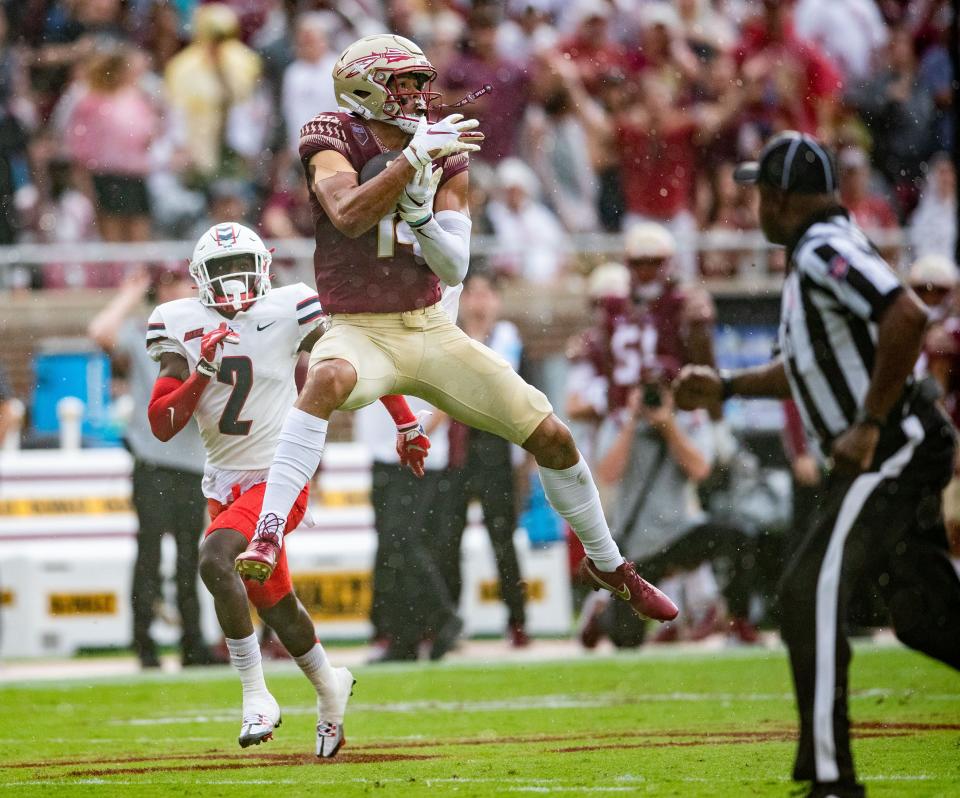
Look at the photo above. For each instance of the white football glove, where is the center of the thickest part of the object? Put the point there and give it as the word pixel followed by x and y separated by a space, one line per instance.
pixel 433 140
pixel 416 203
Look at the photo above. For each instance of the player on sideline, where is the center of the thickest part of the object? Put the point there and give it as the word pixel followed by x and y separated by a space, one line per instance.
pixel 239 398
pixel 381 283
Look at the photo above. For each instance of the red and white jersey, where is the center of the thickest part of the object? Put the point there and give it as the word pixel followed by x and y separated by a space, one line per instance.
pixel 241 412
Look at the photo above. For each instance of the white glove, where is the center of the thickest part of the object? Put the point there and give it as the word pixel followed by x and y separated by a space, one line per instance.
pixel 416 203
pixel 433 140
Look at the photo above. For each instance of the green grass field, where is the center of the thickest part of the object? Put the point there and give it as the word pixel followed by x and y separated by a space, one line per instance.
pixel 655 724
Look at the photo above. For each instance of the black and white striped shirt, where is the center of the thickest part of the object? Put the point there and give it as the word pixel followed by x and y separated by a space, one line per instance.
pixel 837 288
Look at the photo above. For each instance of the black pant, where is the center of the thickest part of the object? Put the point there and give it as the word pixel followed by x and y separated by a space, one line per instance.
pixel 166 501
pixel 410 598
pixel 495 489
pixel 733 551
pixel 886 525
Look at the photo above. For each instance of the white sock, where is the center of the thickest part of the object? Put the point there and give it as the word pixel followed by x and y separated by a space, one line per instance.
pixel 295 461
pixel 316 667
pixel 573 494
pixel 245 657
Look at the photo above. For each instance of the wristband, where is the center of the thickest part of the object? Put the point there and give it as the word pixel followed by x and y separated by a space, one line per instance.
pixel 416 160
pixel 206 368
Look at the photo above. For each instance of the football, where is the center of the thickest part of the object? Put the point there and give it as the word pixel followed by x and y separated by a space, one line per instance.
pixel 376 165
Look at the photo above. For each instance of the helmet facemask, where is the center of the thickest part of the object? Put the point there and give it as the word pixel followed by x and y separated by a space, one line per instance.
pixel 397 108
pixel 233 281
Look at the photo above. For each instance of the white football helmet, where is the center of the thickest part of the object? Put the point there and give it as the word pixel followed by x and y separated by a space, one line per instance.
pixel 231 267
pixel 362 80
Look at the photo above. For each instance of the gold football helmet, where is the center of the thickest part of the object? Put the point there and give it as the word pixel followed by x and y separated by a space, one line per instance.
pixel 362 80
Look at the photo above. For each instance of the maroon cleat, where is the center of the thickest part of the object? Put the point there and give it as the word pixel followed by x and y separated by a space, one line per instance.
pixel 260 557
pixel 626 584
pixel 744 631
pixel 518 635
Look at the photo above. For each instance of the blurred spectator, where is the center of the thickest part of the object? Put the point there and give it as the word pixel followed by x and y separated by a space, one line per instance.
pixel 211 82
pixel 410 601
pixel 707 30
pixel 109 133
pixel 527 32
pixel 591 47
pixel 936 77
pixel 70 37
pixel 162 39
pixel 555 144
pixel 900 113
pixel 933 225
pixel 657 142
pixel 501 111
pixel 166 477
pixel 445 37
pixel 850 32
pixel 286 211
pixel 790 83
pixel 229 201
pixel 67 216
pixel 733 209
pixel 530 242
pixel 869 208
pixel 481 467
pixel 307 82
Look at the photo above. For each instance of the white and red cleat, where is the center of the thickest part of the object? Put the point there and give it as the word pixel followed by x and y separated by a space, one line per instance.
pixel 261 716
pixel 260 557
pixel 330 712
pixel 626 584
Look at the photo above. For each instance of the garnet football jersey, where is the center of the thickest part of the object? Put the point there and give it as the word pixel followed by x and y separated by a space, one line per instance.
pixel 375 272
pixel 623 348
pixel 241 412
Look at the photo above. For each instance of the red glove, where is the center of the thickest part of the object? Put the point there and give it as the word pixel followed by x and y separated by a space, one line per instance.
pixel 210 349
pixel 412 446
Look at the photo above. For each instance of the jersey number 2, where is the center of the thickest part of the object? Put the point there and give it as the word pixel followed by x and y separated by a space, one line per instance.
pixel 238 372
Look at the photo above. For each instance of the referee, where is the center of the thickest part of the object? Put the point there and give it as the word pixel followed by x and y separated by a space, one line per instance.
pixel 849 336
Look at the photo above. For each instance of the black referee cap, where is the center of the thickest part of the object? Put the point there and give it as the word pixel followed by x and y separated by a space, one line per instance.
pixel 793 162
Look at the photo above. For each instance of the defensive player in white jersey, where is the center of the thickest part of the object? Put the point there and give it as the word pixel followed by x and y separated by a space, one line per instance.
pixel 228 358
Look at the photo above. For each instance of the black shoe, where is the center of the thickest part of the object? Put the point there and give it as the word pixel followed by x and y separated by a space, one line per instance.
pixel 201 656
pixel 395 654
pixel 447 637
pixel 147 654
pixel 836 789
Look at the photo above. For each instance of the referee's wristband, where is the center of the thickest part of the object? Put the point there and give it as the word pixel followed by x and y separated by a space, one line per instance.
pixel 726 385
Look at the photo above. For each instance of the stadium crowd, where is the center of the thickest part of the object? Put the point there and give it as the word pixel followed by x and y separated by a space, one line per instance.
pixel 125 120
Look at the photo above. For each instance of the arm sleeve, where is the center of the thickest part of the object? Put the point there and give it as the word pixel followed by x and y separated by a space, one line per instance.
pixel 173 403
pixel 860 280
pixel 445 243
pixel 398 409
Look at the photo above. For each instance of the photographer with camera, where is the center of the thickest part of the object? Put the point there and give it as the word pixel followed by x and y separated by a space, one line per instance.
pixel 657 459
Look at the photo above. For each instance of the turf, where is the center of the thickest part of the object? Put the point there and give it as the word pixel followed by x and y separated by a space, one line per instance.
pixel 655 724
